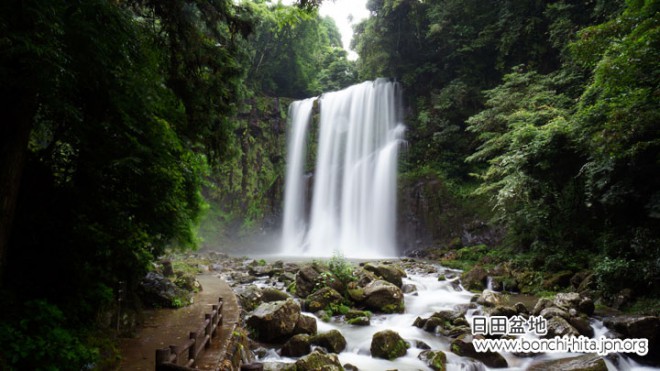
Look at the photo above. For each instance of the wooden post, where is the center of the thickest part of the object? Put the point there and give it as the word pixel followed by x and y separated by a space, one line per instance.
pixel 192 350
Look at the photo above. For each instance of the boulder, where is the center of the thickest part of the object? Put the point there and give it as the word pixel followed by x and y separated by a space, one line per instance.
pixel 322 298
pixel 567 300
pixel 305 325
pixel 358 317
pixel 388 272
pixel 249 296
pixel 557 326
pixel 435 359
pixel 586 306
pixel 586 362
pixel 558 280
pixel 489 298
pixel 409 288
pixel 261 270
pixel 636 327
pixel 269 294
pixel 582 325
pixel 388 344
pixel 333 341
pixel 317 361
pixel 540 305
pixel 521 308
pixel 298 346
pixel 465 348
pixel 548 313
pixel 504 310
pixel 382 296
pixel 475 279
pixel 307 278
pixel 275 321
pixel 158 291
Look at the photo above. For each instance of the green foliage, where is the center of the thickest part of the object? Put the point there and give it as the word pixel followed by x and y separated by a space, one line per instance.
pixel 341 268
pixel 41 340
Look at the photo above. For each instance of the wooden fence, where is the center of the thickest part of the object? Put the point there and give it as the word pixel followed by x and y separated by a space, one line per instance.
pixel 184 356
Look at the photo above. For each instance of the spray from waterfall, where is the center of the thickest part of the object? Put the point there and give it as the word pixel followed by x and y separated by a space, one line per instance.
pixel 353 205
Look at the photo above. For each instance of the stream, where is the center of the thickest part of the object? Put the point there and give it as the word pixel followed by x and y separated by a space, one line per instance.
pixel 431 296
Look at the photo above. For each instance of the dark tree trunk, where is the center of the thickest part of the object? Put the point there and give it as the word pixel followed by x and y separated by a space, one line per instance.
pixel 14 137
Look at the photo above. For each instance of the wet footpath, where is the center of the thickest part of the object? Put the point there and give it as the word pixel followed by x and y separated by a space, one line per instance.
pixel 165 327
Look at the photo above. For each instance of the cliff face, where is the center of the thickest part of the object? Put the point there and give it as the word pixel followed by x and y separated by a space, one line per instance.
pixel 245 191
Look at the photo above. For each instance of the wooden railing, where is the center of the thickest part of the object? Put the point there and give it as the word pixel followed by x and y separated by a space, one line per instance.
pixel 184 356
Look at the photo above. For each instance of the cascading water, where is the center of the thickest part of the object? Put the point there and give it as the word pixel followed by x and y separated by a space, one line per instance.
pixel 353 209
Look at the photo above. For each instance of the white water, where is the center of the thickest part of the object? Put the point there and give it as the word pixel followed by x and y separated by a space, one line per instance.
pixel 353 209
pixel 300 113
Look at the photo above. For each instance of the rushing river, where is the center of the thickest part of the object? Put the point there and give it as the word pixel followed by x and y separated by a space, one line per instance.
pixel 431 296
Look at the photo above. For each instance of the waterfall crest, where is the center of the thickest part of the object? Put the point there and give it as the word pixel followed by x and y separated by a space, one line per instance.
pixel 353 206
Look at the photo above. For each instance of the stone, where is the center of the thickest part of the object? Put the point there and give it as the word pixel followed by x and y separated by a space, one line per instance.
pixel 408 288
pixel 298 346
pixel 557 326
pixel 261 270
pixel 567 300
pixel 249 296
pixel 489 298
pixel 435 359
pixel 388 344
pixel 521 308
pixel 269 294
pixel 582 325
pixel 306 279
pixel 504 310
pixel 387 272
pixel 322 298
pixel 358 317
pixel 158 291
pixel 558 280
pixel 333 341
pixel 586 306
pixel 466 349
pixel 636 327
pixel 275 321
pixel 317 361
pixel 475 279
pixel 586 362
pixel 540 305
pixel 548 313
pixel 305 325
pixel 383 296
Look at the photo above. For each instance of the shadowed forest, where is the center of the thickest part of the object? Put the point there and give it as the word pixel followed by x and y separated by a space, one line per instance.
pixel 134 129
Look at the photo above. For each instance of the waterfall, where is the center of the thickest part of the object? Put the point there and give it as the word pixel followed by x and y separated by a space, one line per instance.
pixel 353 208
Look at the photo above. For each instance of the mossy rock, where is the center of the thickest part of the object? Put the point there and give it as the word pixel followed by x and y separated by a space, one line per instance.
pixel 435 359
pixel 388 344
pixel 316 361
pixel 333 341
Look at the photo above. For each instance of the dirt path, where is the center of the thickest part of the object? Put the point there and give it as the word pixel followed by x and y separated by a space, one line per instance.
pixel 164 327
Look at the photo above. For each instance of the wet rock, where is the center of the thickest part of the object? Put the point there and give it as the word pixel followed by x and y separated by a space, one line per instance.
pixel 298 346
pixel 388 344
pixel 568 300
pixel 316 361
pixel 322 298
pixel 420 345
pixel 586 306
pixel 588 284
pixel 307 278
pixel 333 341
pixel 557 326
pixel 350 367
pixel 358 317
pixel 475 279
pixel 387 272
pixel 250 297
pixel 582 325
pixel 269 294
pixel 305 325
pixel 504 310
pixel 261 270
pixel 382 296
pixel 435 359
pixel 489 298
pixel 159 291
pixel 586 362
pixel 540 305
pixel 408 288
pixel 548 313
pixel 464 348
pixel 275 321
pixel 521 308
pixel 636 327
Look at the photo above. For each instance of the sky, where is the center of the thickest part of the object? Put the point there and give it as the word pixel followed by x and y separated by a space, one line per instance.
pixel 340 10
